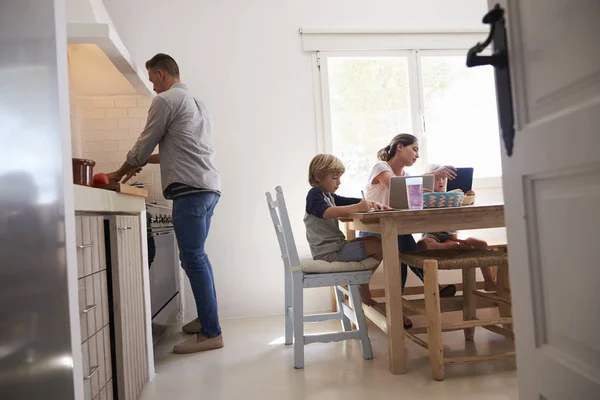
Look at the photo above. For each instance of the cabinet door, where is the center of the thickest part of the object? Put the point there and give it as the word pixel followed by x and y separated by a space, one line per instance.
pixel 104 288
pixel 108 363
pixel 129 308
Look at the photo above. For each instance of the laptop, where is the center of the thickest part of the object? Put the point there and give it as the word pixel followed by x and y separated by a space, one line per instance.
pixel 399 197
pixel 463 180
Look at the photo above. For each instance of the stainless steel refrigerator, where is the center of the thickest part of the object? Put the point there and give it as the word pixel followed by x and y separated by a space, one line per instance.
pixel 36 352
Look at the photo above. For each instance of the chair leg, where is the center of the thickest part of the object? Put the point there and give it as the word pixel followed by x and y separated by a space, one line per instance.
pixel 298 312
pixel 289 327
pixel 346 326
pixel 362 324
pixel 434 319
pixel 502 290
pixel 469 305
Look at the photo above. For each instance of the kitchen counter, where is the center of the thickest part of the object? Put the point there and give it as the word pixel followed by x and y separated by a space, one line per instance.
pixel 89 199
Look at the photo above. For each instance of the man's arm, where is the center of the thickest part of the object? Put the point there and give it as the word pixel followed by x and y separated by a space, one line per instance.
pixel 140 154
pixel 154 159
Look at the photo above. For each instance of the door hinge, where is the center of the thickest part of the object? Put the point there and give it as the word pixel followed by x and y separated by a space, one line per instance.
pixel 318 59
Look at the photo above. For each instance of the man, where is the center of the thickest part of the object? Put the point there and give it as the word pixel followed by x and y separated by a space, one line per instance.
pixel 179 124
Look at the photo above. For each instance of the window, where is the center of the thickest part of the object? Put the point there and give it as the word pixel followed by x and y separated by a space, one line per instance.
pixel 368 97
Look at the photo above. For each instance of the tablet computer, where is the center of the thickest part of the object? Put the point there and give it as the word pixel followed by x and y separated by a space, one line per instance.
pixel 463 180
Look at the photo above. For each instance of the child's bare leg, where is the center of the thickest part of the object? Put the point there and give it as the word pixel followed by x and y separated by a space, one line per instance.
pixel 428 243
pixel 373 249
pixel 476 243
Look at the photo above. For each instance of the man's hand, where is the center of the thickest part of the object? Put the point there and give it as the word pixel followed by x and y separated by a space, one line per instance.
pixel 131 175
pixel 115 177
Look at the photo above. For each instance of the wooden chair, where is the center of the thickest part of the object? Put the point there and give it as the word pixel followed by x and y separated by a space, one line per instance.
pixel 300 275
pixel 467 260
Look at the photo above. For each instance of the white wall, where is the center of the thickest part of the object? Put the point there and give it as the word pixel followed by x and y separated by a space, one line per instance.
pixel 244 59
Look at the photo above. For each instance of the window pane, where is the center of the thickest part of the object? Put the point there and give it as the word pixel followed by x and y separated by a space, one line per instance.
pixel 461 122
pixel 370 103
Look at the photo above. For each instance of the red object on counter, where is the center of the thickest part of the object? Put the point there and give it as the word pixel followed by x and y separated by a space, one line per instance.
pixel 100 179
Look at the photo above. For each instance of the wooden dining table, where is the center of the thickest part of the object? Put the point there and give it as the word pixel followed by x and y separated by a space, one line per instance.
pixel 390 224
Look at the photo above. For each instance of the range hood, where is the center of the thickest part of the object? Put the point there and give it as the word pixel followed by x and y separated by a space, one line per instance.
pixel 89 24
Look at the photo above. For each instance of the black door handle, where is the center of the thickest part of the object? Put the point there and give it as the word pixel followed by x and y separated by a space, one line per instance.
pixel 499 60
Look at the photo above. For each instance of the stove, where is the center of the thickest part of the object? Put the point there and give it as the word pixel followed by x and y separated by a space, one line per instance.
pixel 159 217
pixel 163 261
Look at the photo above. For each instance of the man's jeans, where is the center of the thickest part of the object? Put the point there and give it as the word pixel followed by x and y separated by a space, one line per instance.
pixel 191 218
pixel 405 243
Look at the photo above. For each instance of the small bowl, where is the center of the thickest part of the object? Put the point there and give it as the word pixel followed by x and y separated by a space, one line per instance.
pixel 468 200
pixel 442 199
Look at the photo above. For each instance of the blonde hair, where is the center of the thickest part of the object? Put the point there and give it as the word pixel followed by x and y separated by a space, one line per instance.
pixel 389 151
pixel 323 164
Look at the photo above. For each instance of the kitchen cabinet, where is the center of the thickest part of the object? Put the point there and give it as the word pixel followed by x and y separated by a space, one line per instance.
pixel 93 306
pixel 113 289
pixel 128 300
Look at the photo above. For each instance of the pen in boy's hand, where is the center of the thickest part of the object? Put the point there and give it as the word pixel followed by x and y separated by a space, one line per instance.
pixel 363 195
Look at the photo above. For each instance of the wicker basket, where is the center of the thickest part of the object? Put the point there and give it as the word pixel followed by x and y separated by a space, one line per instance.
pixel 442 199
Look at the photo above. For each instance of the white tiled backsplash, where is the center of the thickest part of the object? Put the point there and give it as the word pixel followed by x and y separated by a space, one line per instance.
pixel 106 128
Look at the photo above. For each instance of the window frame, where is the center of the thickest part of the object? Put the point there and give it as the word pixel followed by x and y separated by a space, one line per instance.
pixel 320 60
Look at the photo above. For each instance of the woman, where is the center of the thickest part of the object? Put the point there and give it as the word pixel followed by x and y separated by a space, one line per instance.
pixel 402 152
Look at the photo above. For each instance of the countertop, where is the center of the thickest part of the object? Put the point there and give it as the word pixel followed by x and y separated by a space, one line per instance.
pixel 89 199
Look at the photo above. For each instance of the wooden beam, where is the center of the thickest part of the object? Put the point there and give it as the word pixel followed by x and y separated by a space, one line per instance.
pixel 492 297
pixel 476 322
pixel 417 340
pixel 481 358
pixel 415 290
pixel 500 331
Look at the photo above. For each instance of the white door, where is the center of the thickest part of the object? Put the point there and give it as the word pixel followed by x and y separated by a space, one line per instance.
pixel 552 195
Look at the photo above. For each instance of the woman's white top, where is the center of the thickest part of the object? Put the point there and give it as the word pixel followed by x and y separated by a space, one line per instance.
pixel 376 191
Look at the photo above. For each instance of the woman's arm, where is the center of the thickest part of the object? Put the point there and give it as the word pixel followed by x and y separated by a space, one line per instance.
pixel 384 178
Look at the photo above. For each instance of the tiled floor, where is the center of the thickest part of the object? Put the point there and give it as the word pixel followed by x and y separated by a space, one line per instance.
pixel 255 365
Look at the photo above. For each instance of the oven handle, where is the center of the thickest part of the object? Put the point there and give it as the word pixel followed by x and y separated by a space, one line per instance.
pixel 153 234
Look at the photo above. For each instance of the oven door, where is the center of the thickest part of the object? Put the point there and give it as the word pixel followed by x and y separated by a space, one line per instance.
pixel 164 269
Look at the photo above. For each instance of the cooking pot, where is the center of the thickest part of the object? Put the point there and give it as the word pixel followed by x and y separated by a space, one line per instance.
pixel 83 171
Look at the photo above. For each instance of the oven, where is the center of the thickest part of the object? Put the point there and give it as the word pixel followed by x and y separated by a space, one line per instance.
pixel 163 261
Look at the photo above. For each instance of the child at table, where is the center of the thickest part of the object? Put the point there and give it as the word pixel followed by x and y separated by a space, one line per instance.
pixel 449 239
pixel 324 207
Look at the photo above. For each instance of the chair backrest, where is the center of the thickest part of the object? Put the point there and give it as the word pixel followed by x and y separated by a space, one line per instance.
pixel 283 229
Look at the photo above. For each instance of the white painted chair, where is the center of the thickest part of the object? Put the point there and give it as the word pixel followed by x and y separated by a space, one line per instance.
pixel 312 274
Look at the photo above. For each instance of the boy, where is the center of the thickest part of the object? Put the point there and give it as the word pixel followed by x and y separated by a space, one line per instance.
pixel 449 239
pixel 324 207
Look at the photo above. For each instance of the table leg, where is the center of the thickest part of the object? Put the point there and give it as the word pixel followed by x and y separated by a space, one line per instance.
pixel 393 296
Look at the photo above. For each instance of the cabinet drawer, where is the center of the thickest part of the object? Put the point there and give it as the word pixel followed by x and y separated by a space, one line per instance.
pixel 87 387
pixel 90 309
pixel 97 369
pixel 83 307
pixel 107 392
pixel 93 304
pixel 89 233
